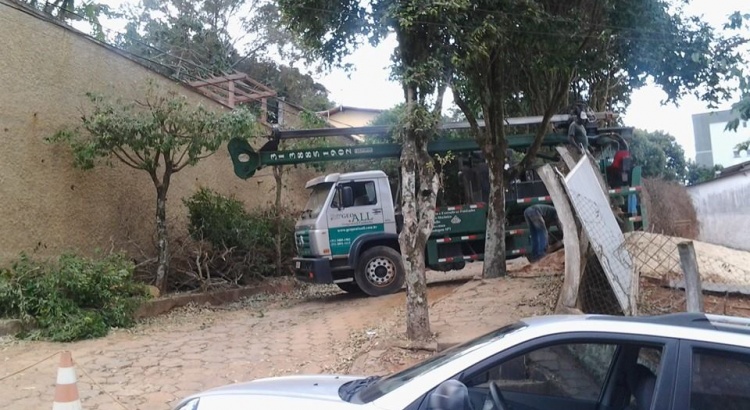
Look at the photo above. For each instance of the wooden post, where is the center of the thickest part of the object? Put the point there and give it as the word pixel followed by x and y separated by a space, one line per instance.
pixel 693 289
pixel 230 94
pixel 572 279
pixel 566 156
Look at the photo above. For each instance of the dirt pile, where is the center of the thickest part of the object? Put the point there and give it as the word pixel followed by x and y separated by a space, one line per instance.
pixel 721 268
pixel 551 265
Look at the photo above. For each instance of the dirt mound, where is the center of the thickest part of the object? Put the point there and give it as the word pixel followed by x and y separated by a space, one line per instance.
pixel 721 268
pixel 550 265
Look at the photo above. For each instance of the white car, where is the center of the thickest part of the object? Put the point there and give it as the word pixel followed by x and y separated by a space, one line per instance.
pixel 678 362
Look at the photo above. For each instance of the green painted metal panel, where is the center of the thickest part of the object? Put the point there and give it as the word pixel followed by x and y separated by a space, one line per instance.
pixel 341 238
pixel 460 220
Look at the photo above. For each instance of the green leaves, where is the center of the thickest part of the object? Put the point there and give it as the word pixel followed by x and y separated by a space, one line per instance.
pixel 73 298
pixel 659 155
pixel 162 132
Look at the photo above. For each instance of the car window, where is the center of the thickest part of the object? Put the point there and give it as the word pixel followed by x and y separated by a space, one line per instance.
pixel 571 370
pixel 394 381
pixel 720 381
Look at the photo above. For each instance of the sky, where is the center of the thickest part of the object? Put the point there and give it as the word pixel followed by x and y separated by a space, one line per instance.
pixel 368 84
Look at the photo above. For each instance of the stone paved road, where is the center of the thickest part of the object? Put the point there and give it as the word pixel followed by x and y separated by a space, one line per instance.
pixel 159 363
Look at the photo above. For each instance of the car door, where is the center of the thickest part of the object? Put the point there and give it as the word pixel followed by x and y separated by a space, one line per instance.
pixel 576 371
pixel 712 377
pixel 365 216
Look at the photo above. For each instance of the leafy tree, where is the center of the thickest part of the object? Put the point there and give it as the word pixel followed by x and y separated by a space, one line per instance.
pixel 70 10
pixel 659 155
pixel 516 58
pixel 500 68
pixel 699 173
pixel 160 136
pixel 191 40
pixel 741 22
pixel 329 31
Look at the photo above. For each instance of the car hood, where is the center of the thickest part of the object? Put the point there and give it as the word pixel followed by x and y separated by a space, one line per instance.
pixel 322 388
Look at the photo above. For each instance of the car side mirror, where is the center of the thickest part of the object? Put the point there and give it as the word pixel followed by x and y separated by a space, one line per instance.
pixel 450 394
pixel 347 197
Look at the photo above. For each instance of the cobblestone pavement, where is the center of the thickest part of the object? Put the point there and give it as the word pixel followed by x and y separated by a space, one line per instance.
pixel 156 364
pixel 480 306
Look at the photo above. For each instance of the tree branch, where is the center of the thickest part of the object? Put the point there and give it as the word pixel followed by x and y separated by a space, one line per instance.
pixel 125 161
pixel 126 155
pixel 470 117
pixel 178 163
pixel 562 88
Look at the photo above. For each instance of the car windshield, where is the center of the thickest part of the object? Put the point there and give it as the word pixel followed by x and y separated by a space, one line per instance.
pixel 388 384
pixel 317 200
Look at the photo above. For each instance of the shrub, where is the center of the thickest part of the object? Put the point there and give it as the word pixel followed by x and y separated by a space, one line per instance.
pixel 73 298
pixel 246 240
pixel 670 208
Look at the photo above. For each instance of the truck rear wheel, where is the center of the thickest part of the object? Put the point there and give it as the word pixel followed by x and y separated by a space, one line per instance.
pixel 350 287
pixel 380 271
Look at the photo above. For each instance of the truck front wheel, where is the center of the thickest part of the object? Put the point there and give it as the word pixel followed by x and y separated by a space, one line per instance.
pixel 350 287
pixel 380 271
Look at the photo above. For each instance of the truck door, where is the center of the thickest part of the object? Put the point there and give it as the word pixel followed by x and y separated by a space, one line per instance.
pixel 365 215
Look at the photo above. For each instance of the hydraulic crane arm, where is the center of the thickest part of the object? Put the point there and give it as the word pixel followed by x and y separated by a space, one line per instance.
pixel 247 161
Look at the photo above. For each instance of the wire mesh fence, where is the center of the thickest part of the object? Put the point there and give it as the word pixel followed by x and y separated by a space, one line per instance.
pixel 725 277
pixel 607 280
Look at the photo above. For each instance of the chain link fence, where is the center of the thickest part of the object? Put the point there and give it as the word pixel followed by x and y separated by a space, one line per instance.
pixel 725 276
pixel 606 283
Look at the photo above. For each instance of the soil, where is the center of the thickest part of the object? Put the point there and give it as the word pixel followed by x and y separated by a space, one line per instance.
pixel 550 265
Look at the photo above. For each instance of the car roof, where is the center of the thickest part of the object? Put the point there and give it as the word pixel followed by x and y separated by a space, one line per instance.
pixel 692 326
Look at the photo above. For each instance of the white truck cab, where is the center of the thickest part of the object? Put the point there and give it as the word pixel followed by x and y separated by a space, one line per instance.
pixel 347 234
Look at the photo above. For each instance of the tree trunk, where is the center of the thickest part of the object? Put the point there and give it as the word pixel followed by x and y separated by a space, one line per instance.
pixel 412 239
pixel 277 174
pixel 494 256
pixel 162 238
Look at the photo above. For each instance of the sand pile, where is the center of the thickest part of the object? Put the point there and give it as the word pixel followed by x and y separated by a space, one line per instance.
pixel 721 268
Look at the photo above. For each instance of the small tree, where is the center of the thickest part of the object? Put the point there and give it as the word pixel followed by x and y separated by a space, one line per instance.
pixel 160 136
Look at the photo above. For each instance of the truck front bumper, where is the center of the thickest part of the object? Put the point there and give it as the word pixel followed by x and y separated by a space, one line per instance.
pixel 313 270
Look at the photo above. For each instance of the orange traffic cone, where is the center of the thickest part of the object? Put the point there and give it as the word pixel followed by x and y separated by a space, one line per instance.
pixel 66 390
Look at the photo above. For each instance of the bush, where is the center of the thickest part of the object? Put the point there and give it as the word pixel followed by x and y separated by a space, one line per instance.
pixel 246 240
pixel 670 209
pixel 73 298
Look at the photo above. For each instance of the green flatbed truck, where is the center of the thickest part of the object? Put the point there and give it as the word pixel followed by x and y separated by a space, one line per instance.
pixel 348 232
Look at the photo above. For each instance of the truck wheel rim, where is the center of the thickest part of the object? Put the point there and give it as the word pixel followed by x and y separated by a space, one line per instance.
pixel 380 271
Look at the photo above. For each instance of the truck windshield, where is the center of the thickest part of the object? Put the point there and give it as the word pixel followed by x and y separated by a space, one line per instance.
pixel 317 200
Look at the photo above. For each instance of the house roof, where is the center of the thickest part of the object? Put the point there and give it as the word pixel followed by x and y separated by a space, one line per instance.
pixel 734 169
pixel 342 108
pixel 728 172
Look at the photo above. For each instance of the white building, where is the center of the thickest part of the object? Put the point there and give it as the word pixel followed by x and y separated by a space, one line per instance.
pixel 722 206
pixel 714 145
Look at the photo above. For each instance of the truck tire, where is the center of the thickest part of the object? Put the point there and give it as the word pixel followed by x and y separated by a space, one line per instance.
pixel 350 287
pixel 380 271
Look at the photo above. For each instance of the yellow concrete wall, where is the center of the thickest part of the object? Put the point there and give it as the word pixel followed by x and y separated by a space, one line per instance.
pixel 351 118
pixel 50 207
